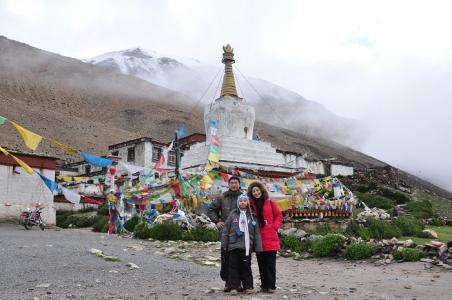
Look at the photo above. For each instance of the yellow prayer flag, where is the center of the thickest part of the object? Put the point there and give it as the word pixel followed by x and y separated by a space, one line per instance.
pixel 247 181
pixel 26 167
pixel 31 139
pixel 4 151
pixel 66 148
pixel 215 157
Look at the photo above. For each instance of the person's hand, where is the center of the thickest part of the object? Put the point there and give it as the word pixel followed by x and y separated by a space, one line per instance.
pixel 220 225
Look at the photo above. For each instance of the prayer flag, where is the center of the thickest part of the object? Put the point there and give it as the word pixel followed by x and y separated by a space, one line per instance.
pixel 180 132
pixel 71 196
pixel 52 185
pixel 31 139
pixel 96 160
pixel 2 120
pixel 65 147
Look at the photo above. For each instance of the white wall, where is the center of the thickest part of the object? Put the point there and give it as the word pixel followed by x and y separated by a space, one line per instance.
pixel 341 170
pixel 21 191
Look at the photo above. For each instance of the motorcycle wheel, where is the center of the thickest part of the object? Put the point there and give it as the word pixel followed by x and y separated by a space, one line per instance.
pixel 27 225
pixel 41 226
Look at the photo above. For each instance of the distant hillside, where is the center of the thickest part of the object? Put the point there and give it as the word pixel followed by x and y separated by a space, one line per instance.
pixel 89 107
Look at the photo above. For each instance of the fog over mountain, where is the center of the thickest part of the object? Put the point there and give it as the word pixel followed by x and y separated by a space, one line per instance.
pixel 273 104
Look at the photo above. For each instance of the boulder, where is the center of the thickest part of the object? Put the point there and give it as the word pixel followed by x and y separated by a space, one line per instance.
pixel 409 244
pixel 430 233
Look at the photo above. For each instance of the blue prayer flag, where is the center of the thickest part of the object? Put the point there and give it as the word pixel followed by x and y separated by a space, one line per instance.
pixel 52 185
pixel 96 160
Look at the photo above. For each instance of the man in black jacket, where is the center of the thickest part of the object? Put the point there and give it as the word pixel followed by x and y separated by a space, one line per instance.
pixel 218 213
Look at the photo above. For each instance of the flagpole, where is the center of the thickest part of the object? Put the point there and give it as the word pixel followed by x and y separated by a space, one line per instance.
pixel 177 154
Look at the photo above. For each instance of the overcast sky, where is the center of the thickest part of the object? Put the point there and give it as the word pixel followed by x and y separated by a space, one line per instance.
pixel 388 63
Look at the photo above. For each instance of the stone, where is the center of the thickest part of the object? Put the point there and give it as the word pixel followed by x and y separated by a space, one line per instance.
pixel 96 252
pixel 169 250
pixel 132 265
pixel 313 237
pixel 437 244
pixel 380 262
pixel 111 258
pixel 43 285
pixel 427 260
pixel 430 233
pixel 409 244
pixel 394 241
pixel 442 250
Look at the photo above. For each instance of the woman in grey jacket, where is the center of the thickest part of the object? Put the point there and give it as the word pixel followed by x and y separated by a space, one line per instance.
pixel 240 237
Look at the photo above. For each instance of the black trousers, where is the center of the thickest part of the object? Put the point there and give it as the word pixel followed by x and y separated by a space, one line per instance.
pixel 224 266
pixel 240 273
pixel 267 269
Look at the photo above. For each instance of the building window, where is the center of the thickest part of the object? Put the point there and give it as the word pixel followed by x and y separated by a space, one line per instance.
pixel 115 153
pixel 156 153
pixel 87 169
pixel 172 158
pixel 131 154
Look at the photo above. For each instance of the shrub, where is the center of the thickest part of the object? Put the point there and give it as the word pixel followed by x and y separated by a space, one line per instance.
pixel 362 188
pixel 398 197
pixel 142 231
pixel 87 209
pixel 100 223
pixel 103 210
pixel 359 251
pixel 84 221
pixel 202 234
pixel 409 225
pixel 382 230
pixel 356 230
pixel 376 201
pixel 323 229
pixel 436 222
pixel 409 254
pixel 60 221
pixel 327 245
pixel 295 244
pixel 421 209
pixel 130 224
pixel 166 231
pixel 372 185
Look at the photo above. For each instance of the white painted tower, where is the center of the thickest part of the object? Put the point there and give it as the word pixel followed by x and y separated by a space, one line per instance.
pixel 234 117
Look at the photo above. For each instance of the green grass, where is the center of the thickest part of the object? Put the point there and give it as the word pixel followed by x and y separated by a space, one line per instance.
pixel 441 206
pixel 444 235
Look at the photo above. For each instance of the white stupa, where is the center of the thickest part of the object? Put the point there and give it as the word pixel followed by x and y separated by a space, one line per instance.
pixel 235 125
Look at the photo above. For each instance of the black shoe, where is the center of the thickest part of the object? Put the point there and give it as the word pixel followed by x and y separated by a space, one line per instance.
pixel 226 289
pixel 263 290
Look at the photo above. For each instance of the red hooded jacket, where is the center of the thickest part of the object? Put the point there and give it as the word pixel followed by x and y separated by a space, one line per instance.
pixel 269 232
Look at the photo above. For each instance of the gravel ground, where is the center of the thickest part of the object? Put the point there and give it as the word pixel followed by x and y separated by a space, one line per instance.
pixel 57 264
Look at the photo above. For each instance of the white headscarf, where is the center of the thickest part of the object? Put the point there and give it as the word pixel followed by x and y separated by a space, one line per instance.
pixel 243 222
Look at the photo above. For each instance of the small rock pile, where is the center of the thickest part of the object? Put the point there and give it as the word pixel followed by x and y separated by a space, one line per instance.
pixel 439 253
pixel 203 221
pixel 375 213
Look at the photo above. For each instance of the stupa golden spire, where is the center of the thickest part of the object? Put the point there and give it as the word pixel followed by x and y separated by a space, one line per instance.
pixel 228 87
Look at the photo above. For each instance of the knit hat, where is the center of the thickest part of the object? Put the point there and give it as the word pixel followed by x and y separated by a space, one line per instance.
pixel 245 197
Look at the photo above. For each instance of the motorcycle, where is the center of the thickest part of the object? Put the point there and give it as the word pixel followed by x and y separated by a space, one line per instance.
pixel 31 218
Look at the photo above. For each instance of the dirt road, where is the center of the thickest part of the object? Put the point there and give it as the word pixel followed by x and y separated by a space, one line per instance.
pixel 57 264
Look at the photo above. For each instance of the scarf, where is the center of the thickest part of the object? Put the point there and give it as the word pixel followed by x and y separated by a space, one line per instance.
pixel 243 226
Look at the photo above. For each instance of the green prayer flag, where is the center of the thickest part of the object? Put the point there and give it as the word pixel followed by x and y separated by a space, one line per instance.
pixel 2 120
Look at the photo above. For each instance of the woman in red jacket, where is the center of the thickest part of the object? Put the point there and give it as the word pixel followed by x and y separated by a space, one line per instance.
pixel 269 218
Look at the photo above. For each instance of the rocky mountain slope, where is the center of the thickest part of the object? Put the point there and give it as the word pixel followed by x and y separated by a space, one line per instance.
pixel 89 107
